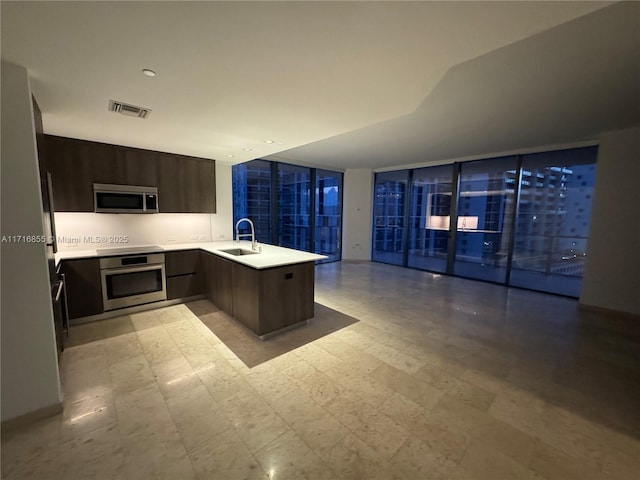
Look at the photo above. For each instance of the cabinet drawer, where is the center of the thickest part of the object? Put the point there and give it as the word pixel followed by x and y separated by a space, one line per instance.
pixel 184 286
pixel 181 263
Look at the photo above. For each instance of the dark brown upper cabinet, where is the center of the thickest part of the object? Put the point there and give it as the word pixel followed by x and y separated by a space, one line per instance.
pixel 185 184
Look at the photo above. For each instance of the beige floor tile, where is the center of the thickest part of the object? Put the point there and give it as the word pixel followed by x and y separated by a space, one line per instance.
pixel 286 456
pixel 520 409
pixel 197 416
pixel 318 386
pixel 144 320
pixel 114 327
pixel 157 454
pixel 98 454
pixel 506 439
pixel 158 345
pixel 434 376
pixel 378 431
pixel 85 333
pixel 353 459
pixel 366 387
pixel 621 465
pixel 270 383
pixel 175 377
pixel 471 394
pixel 225 456
pixel 483 462
pixel 438 377
pixel 258 429
pixel 123 347
pixel 415 419
pixel 143 412
pixel 454 413
pixel 132 374
pixel 320 359
pixel 572 435
pixel 320 434
pixel 395 358
pixel 405 384
pixel 418 459
pixel 552 464
pixel 85 414
pixel 31 451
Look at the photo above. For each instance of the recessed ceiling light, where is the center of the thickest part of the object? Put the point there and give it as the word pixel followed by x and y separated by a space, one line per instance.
pixel 268 141
pixel 247 149
pixel 230 156
pixel 148 73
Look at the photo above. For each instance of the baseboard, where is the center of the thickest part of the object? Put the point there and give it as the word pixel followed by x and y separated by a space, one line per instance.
pixel 138 308
pixel 609 311
pixel 30 417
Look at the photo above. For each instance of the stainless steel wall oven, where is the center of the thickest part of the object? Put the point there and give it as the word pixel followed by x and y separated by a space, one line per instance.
pixel 132 280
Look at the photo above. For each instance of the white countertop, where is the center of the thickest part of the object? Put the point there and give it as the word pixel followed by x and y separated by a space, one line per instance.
pixel 271 256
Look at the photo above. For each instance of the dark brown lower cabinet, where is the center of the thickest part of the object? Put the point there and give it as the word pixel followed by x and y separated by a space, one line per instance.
pixel 270 299
pixel 264 300
pixel 184 272
pixel 218 278
pixel 84 287
pixel 184 286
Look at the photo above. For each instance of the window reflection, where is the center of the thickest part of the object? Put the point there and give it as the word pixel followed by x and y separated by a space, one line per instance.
pixel 389 208
pixel 552 226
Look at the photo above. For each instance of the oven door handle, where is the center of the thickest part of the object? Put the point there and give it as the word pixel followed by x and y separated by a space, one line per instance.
pixel 132 269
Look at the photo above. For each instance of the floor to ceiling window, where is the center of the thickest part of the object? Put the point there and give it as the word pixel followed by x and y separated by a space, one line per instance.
pixel 328 214
pixel 389 216
pixel 429 218
pixel 519 220
pixel 252 197
pixel 552 225
pixel 291 206
pixel 294 207
pixel 485 213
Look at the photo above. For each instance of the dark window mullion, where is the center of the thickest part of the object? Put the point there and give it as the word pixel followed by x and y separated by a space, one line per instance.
pixel 453 219
pixel 514 219
pixel 407 219
pixel 275 224
pixel 312 209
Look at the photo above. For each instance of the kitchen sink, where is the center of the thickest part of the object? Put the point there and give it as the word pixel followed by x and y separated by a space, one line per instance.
pixel 238 251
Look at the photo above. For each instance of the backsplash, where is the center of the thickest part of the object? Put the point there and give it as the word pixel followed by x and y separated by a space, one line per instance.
pixel 82 231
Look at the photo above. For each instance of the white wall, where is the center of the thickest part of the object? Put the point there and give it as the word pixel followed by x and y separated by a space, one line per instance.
pixel 356 222
pixel 222 221
pixel 29 359
pixel 613 262
pixel 86 230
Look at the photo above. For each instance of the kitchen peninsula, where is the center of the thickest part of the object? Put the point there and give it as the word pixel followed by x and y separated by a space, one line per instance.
pixel 268 290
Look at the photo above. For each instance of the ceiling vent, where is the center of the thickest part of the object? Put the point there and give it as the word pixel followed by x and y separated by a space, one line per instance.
pixel 129 110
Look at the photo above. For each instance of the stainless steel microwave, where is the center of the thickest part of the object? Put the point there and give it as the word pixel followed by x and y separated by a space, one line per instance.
pixel 124 198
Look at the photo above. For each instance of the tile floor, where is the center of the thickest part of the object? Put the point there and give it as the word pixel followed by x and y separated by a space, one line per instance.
pixel 440 378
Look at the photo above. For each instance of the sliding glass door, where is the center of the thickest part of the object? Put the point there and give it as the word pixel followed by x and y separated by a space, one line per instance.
pixel 294 207
pixel 486 203
pixel 429 218
pixel 553 220
pixel 328 214
pixel 389 216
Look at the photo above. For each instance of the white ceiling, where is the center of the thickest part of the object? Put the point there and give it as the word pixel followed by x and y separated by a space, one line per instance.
pixel 352 84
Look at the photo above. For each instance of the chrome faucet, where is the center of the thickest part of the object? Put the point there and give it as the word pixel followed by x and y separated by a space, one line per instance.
pixel 254 244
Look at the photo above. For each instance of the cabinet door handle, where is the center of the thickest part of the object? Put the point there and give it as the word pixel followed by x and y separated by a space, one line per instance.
pixel 65 309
